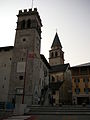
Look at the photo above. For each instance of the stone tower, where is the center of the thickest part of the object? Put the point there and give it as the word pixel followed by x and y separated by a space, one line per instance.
pixel 56 55
pixel 25 66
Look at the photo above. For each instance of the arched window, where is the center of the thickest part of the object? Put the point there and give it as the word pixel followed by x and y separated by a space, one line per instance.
pixel 62 56
pixel 56 54
pixel 28 23
pixel 52 55
pixel 23 24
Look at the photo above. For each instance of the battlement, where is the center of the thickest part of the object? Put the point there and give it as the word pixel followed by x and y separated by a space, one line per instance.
pixel 29 12
pixel 26 12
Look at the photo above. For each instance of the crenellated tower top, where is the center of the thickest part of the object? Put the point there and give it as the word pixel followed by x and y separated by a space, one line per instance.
pixel 28 20
pixel 30 12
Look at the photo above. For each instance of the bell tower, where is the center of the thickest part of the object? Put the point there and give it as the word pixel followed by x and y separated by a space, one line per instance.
pixel 56 55
pixel 25 67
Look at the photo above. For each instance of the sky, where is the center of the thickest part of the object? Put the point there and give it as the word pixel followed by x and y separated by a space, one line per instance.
pixel 71 18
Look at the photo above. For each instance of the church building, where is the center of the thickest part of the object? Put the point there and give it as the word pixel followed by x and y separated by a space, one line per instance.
pixel 60 77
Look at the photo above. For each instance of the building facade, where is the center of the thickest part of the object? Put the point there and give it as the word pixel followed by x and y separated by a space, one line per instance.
pixel 5 71
pixel 44 81
pixel 81 84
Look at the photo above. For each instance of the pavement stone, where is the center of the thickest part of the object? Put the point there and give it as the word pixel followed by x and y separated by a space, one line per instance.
pixel 21 118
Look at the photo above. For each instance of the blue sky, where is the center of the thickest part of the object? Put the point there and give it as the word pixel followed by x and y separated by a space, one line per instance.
pixel 71 18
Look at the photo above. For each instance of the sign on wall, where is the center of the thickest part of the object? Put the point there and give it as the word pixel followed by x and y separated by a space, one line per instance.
pixel 19 90
pixel 21 66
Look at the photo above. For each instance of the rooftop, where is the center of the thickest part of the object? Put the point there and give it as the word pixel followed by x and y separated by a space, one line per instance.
pixel 59 68
pixel 56 41
pixel 44 60
pixel 82 65
pixel 6 48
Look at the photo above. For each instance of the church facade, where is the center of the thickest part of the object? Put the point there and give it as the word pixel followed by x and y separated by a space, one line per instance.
pixel 60 75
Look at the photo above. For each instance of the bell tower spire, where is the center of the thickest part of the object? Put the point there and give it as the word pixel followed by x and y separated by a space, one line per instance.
pixel 56 55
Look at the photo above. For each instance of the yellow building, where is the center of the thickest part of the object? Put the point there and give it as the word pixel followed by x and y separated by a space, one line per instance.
pixel 81 84
pixel 60 79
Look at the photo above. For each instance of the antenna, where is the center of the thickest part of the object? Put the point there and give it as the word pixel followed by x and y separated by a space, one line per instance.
pixel 32 4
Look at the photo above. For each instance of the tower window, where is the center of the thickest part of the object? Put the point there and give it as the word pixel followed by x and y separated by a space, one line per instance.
pixel 52 54
pixel 23 24
pixel 62 55
pixel 24 40
pixel 20 77
pixel 4 65
pixel 56 54
pixel 4 78
pixel 28 23
pixel 22 59
pixel 10 58
pixel 3 86
pixel 45 73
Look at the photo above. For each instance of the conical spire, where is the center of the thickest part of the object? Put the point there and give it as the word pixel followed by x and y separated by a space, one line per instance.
pixel 56 41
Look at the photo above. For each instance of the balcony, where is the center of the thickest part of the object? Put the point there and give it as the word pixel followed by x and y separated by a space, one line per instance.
pixel 55 85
